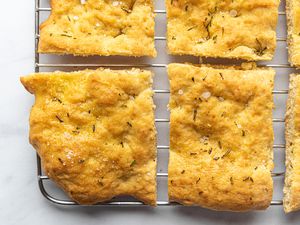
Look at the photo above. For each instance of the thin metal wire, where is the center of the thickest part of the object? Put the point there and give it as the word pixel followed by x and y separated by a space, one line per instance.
pixel 165 175
pixel 38 65
pixel 143 65
pixel 159 11
pixel 36 29
pixel 165 91
pixel 160 38
pixel 275 120
pixel 45 9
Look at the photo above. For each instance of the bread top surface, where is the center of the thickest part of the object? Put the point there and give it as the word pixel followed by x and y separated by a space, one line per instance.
pixel 227 29
pixel 99 27
pixel 293 21
pixel 221 136
pixel 291 200
pixel 95 133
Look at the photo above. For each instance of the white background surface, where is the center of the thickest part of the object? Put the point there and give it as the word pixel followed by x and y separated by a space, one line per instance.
pixel 20 199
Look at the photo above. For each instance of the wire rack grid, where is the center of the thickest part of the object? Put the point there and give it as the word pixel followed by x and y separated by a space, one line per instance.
pixel 38 65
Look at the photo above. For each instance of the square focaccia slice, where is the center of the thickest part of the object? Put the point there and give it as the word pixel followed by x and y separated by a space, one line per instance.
pixel 221 136
pixel 94 131
pixel 99 27
pixel 240 29
pixel 291 200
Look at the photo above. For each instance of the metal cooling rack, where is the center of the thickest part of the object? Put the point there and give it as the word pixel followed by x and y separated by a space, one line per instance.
pixel 42 178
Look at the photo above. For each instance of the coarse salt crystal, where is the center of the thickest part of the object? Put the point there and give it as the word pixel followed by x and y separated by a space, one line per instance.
pixel 70 154
pixel 204 139
pixel 97 25
pixel 75 17
pixel 233 13
pixel 116 3
pixel 206 95
pixel 221 99
pixel 201 40
pixel 180 92
pixel 67 135
pixel 82 1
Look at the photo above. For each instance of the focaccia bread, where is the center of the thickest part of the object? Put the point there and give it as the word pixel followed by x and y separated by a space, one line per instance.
pixel 94 131
pixel 99 27
pixel 221 136
pixel 243 29
pixel 293 38
pixel 291 200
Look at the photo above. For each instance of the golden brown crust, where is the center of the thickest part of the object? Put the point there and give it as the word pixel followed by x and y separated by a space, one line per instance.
pixel 228 29
pixel 221 136
pixel 105 27
pixel 94 131
pixel 291 200
pixel 293 21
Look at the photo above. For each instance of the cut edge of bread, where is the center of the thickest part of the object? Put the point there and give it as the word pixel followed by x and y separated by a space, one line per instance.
pixel 290 25
pixel 288 201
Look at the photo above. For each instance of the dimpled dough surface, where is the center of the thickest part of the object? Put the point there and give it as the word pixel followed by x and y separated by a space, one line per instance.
pixel 94 131
pixel 221 136
pixel 243 29
pixel 99 27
